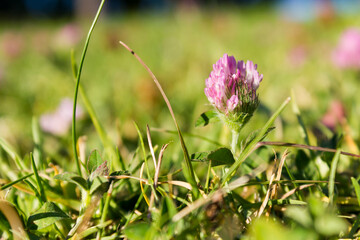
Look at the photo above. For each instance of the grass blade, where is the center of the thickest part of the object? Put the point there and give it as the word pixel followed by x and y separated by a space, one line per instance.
pixel 78 83
pixel 332 176
pixel 143 150
pixel 357 188
pixel 38 180
pixel 37 137
pixel 15 182
pixel 313 148
pixel 105 140
pixel 150 144
pixel 192 179
pixel 354 228
pixel 142 187
pixel 12 153
pixel 253 144
pixel 296 110
pixel 292 178
pixel 216 194
pixel 35 191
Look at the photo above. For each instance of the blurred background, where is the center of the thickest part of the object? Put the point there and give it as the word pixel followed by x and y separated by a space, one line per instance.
pixel 310 47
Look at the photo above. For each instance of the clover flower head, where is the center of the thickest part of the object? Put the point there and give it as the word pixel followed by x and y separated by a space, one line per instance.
pixel 231 89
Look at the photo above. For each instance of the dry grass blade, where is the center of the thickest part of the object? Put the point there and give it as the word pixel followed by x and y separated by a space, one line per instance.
pixel 275 176
pixel 278 173
pixel 292 191
pixel 15 222
pixel 267 196
pixel 141 185
pixel 273 182
pixel 217 194
pixel 187 134
pixel 244 179
pixel 150 144
pixel 178 183
pixel 295 145
pixel 195 205
pixel 186 153
pixel 157 171
pixel 142 180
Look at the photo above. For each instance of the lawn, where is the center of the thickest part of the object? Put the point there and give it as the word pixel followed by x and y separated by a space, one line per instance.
pixel 288 177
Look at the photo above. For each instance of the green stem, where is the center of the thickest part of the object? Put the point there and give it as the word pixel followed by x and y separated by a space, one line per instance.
pixel 234 141
pixel 105 210
pixel 85 202
pixel 78 83
pixel 331 185
pixel 208 178
pixel 252 145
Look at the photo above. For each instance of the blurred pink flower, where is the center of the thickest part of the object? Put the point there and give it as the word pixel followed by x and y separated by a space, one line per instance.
pixel 231 86
pixel 334 115
pixel 68 36
pixel 59 122
pixel 12 44
pixel 347 53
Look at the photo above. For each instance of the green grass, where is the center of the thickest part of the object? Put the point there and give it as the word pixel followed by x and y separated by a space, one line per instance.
pixel 113 196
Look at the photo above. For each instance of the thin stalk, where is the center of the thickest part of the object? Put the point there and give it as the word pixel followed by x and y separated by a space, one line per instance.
pixel 78 83
pixel 192 178
pixel 313 148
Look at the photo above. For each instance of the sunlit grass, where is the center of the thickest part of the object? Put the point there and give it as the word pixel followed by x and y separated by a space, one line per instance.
pixel 179 47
